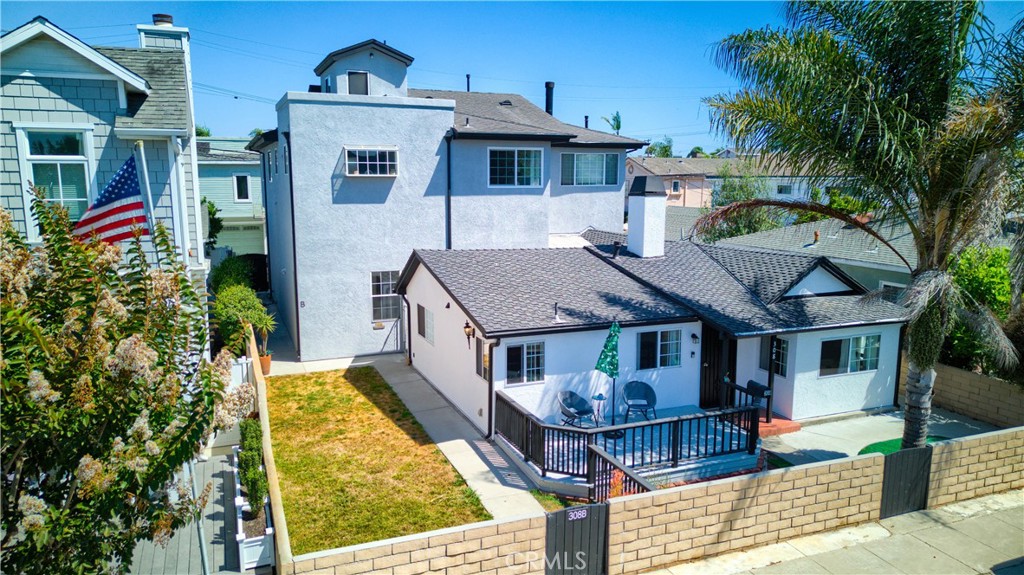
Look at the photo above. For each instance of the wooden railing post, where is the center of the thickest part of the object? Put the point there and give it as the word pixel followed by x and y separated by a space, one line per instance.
pixel 752 435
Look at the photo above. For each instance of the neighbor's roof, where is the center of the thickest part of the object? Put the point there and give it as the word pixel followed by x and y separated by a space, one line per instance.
pixel 212 149
pixel 374 44
pixel 516 290
pixel 166 106
pixel 679 221
pixel 838 240
pixel 709 167
pixel 506 116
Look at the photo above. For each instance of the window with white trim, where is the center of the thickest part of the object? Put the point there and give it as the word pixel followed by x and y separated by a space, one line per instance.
pixel 525 363
pixel 386 304
pixel 659 349
pixel 483 360
pixel 425 323
pixel 59 162
pixel 784 190
pixel 590 169
pixel 241 182
pixel 675 186
pixel 514 167
pixel 781 355
pixel 849 355
pixel 371 162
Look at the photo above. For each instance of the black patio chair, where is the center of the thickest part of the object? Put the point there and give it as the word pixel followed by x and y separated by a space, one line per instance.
pixel 574 409
pixel 641 398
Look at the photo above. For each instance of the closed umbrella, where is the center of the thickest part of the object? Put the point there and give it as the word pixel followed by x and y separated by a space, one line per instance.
pixel 608 361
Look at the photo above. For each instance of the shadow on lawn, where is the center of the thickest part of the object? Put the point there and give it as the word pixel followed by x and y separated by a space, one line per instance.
pixel 371 385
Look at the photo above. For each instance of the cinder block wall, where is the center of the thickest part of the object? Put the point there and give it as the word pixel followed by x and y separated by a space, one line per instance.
pixel 984 398
pixel 490 548
pixel 976 466
pixel 673 525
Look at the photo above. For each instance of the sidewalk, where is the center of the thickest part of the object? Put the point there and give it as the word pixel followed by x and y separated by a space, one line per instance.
pixel 501 489
pixel 984 535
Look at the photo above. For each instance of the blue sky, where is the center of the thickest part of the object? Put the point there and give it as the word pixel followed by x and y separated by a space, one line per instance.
pixel 649 61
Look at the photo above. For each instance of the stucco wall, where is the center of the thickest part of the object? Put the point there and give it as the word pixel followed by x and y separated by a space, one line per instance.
pixel 281 260
pixel 447 363
pixel 569 360
pixel 387 76
pixel 574 208
pixel 348 227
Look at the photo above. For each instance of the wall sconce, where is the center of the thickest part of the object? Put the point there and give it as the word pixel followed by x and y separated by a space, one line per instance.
pixel 694 338
pixel 470 332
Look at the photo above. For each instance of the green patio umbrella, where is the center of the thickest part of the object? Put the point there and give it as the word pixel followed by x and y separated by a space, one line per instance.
pixel 608 361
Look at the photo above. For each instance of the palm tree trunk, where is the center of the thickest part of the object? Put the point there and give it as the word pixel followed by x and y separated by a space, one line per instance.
pixel 917 405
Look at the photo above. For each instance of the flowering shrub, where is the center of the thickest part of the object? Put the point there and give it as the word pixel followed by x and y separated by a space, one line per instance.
pixel 106 394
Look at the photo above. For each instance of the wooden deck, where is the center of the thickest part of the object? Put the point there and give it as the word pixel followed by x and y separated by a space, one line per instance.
pixel 181 555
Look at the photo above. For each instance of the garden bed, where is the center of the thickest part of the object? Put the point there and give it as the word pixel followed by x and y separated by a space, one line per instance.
pixel 355 466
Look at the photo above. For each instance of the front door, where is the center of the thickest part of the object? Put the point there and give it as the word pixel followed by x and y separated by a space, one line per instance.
pixel 718 360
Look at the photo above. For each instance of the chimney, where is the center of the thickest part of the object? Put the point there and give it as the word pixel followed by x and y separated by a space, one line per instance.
pixel 586 122
pixel 467 82
pixel 646 234
pixel 549 98
pixel 817 236
pixel 163 20
pixel 162 33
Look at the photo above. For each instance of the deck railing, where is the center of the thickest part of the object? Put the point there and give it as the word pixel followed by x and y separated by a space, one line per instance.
pixel 606 478
pixel 639 444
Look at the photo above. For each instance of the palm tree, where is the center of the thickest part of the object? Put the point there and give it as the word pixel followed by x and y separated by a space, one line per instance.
pixel 615 122
pixel 920 103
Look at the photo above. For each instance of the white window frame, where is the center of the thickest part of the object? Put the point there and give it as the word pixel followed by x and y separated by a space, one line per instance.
pixel 26 159
pixel 575 168
pixel 392 295
pixel 882 284
pixel 487 166
pixel 849 355
pixel 384 148
pixel 780 187
pixel 248 187
pixel 781 364
pixel 524 347
pixel 660 364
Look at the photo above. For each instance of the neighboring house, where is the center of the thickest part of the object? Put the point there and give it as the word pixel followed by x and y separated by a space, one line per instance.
pixel 523 325
pixel 230 177
pixel 72 114
pixel 361 170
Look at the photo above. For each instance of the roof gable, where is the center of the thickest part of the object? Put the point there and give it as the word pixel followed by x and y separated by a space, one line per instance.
pixel 367 45
pixel 818 281
pixel 33 35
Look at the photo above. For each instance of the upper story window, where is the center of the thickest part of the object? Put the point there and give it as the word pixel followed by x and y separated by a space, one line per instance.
pixel 675 186
pixel 590 169
pixel 514 167
pixel 371 161
pixel 784 190
pixel 359 83
pixel 659 349
pixel 525 363
pixel 242 188
pixel 849 355
pixel 781 355
pixel 60 162
pixel 386 304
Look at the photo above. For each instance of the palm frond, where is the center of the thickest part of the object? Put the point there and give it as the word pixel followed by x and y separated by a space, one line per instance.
pixel 928 287
pixel 988 327
pixel 707 222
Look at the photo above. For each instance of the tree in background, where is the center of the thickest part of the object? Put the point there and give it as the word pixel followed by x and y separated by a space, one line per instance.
pixel 255 132
pixel 696 152
pixel 106 394
pixel 215 224
pixel 615 122
pixel 982 274
pixel 740 186
pixel 660 149
pixel 839 199
pixel 923 106
pixel 202 131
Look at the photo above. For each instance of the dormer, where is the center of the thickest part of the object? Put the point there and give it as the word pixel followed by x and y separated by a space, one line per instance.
pixel 370 68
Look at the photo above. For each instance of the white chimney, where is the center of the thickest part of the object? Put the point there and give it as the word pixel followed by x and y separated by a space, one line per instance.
pixel 646 234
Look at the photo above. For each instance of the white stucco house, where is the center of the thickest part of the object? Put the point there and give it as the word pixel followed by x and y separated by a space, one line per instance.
pixel 361 170
pixel 72 114
pixel 500 331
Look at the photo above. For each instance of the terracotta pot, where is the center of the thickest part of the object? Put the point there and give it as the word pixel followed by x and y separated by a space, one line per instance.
pixel 265 364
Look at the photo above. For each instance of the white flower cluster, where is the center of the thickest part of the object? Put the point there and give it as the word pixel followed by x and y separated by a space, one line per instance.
pixel 39 389
pixel 32 509
pixel 134 357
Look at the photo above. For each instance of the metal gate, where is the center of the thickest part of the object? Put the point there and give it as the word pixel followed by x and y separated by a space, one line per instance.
pixel 577 541
pixel 905 481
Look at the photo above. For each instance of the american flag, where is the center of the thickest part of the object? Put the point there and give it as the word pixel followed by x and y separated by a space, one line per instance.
pixel 117 210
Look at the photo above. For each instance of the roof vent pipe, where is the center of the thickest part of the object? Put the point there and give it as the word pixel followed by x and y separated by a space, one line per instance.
pixel 616 246
pixel 557 319
pixel 467 82
pixel 817 236
pixel 163 20
pixel 586 122
pixel 549 98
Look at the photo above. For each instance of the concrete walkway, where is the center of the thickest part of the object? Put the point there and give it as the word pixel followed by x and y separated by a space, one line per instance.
pixel 501 489
pixel 984 535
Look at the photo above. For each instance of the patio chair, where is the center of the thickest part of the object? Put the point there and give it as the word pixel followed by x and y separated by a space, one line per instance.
pixel 574 409
pixel 641 398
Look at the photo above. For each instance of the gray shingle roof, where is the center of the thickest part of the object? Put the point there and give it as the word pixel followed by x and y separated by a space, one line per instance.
pixel 837 240
pixel 679 221
pixel 709 167
pixel 508 291
pixel 767 274
pixel 514 115
pixel 166 106
pixel 209 149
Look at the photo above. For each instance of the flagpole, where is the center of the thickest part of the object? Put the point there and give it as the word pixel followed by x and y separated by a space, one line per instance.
pixel 145 180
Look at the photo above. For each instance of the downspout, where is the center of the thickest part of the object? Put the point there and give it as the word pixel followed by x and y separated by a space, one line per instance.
pixel 408 331
pixel 295 251
pixel 899 367
pixel 448 191
pixel 490 386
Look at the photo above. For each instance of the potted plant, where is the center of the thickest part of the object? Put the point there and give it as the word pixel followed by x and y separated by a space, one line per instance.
pixel 254 528
pixel 263 324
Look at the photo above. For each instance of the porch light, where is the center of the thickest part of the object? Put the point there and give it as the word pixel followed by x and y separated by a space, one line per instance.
pixel 470 332
pixel 694 338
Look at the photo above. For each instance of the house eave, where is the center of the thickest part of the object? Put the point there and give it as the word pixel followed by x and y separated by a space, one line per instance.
pixel 556 329
pixel 819 328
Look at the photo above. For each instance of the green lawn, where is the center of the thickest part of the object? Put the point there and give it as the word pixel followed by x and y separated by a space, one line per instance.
pixel 893 445
pixel 550 501
pixel 354 465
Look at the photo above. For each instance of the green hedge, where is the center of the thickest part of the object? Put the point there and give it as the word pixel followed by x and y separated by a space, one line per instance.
pixel 252 478
pixel 233 271
pixel 234 307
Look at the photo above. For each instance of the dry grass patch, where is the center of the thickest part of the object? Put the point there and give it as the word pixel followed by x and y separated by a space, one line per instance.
pixel 354 464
